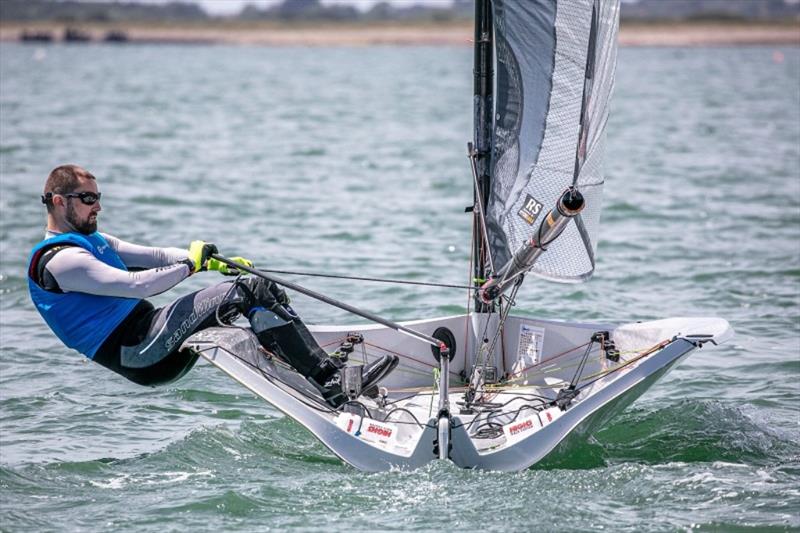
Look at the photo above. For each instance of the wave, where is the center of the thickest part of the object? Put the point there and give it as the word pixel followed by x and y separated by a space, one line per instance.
pixel 687 432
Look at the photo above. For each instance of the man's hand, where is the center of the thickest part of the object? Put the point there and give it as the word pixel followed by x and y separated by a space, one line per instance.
pixel 227 270
pixel 199 252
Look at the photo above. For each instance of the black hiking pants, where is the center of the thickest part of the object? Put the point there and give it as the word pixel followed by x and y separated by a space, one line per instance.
pixel 145 347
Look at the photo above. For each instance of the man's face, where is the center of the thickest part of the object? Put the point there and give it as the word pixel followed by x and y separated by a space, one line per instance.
pixel 80 216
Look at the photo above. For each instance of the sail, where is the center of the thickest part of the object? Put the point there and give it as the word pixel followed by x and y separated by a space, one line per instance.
pixel 555 63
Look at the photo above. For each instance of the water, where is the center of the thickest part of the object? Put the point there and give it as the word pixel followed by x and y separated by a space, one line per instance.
pixel 352 161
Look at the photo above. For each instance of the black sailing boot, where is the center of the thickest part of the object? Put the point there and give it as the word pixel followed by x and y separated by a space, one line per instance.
pixel 280 329
pixel 294 343
pixel 329 376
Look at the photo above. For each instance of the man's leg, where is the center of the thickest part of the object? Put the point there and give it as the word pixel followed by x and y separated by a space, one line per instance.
pixel 277 325
pixel 149 352
pixel 280 329
pixel 150 355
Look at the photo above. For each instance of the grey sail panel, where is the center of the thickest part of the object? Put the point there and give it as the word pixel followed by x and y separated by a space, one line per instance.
pixel 555 75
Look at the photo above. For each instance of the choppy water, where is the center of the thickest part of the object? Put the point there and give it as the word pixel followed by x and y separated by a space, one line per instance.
pixel 352 160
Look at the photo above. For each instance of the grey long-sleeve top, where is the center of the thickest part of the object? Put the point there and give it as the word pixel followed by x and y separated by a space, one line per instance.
pixel 77 270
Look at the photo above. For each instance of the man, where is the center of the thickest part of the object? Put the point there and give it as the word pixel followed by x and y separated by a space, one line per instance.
pixel 91 289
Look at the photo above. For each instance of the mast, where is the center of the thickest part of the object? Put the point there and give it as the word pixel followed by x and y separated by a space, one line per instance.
pixel 483 108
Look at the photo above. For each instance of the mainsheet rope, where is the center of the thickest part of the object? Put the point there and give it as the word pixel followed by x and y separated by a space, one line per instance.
pixel 377 280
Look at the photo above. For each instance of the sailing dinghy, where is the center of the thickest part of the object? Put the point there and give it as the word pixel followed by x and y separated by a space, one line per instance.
pixel 488 389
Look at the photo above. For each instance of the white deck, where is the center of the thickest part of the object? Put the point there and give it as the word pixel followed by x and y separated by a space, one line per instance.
pixel 512 429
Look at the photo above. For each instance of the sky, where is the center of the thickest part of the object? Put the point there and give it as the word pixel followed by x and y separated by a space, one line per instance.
pixel 230 7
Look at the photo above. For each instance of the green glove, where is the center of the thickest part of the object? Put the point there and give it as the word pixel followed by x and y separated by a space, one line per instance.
pixel 219 266
pixel 199 252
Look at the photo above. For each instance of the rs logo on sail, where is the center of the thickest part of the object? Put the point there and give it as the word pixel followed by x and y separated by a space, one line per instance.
pixel 530 209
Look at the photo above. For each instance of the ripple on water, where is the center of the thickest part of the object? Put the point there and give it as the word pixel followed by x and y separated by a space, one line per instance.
pixel 328 160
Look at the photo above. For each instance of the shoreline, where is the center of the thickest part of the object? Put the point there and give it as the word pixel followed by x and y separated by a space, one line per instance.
pixel 432 34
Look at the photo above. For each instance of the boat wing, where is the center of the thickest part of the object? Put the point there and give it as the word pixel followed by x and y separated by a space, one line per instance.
pixel 237 352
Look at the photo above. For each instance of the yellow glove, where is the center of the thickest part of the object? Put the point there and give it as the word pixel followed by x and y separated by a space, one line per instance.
pixel 219 266
pixel 199 252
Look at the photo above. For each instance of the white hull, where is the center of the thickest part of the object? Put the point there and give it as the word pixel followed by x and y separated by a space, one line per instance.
pixel 514 429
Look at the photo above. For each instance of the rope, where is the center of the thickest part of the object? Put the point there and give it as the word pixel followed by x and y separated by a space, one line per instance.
pixel 494 429
pixel 436 375
pixel 491 391
pixel 524 370
pixel 377 280
pixel 604 373
pixel 581 366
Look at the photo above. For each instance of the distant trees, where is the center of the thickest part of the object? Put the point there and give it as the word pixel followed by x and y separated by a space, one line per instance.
pixel 710 10
pixel 296 10
pixel 71 11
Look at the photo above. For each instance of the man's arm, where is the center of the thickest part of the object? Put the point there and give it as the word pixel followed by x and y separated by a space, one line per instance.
pixel 75 269
pixel 137 256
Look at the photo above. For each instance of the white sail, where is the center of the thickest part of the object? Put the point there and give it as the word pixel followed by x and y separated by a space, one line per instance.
pixel 555 74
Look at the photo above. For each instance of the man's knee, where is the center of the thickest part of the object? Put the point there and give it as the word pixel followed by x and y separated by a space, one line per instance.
pixel 258 292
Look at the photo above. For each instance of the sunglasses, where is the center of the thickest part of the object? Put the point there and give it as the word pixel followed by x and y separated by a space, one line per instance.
pixel 88 198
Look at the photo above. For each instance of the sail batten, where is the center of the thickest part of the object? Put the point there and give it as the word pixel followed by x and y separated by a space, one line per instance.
pixel 555 74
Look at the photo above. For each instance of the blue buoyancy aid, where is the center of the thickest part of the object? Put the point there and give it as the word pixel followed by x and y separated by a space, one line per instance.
pixel 82 321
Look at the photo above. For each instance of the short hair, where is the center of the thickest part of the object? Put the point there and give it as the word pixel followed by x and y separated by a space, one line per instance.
pixel 62 180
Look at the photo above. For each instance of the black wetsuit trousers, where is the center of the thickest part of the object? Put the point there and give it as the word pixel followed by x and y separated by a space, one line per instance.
pixel 145 347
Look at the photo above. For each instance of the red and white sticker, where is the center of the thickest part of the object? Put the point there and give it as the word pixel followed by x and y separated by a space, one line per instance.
pixel 378 432
pixel 519 429
pixel 348 422
pixel 370 430
pixel 550 415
